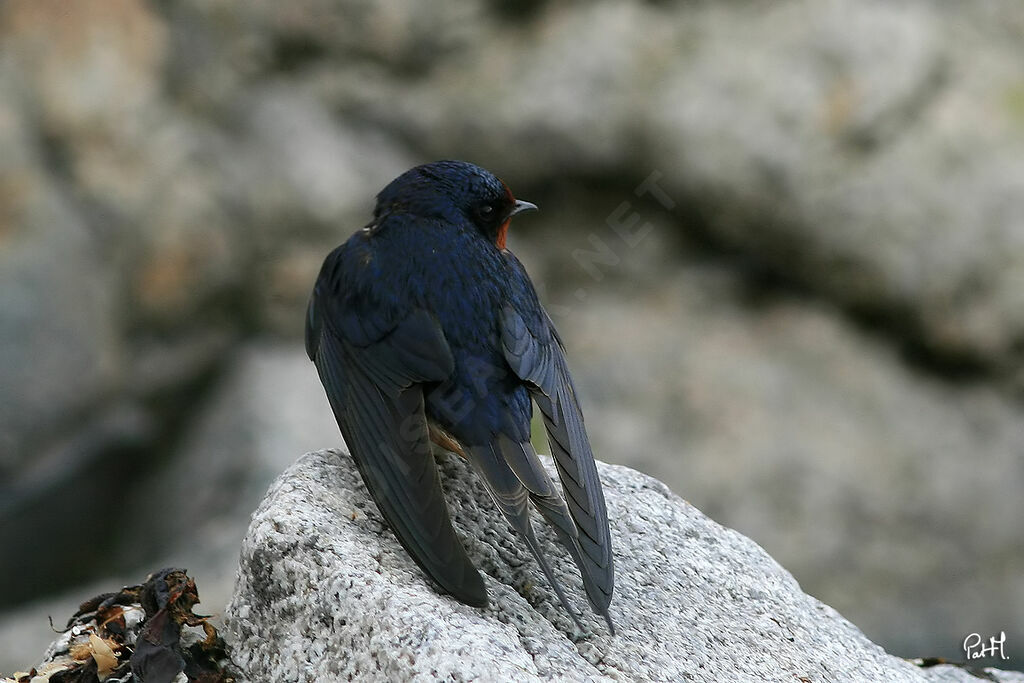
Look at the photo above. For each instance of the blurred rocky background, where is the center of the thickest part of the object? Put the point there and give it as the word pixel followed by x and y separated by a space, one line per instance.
pixel 784 244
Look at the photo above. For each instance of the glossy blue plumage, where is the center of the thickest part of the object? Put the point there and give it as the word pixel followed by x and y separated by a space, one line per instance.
pixel 423 323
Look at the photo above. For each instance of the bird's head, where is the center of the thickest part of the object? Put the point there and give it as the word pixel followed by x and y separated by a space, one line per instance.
pixel 456 191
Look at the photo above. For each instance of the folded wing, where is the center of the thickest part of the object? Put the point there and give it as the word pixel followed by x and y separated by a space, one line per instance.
pixel 537 357
pixel 372 371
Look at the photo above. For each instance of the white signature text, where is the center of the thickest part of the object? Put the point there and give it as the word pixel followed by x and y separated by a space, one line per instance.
pixel 975 647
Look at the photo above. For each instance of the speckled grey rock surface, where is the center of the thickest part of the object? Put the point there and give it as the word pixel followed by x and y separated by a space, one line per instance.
pixel 324 592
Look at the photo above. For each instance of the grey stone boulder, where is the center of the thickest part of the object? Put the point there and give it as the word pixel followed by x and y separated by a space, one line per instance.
pixel 267 407
pixel 325 592
pixel 877 485
pixel 870 151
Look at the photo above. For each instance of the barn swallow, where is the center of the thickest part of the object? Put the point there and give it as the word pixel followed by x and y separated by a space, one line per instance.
pixel 424 327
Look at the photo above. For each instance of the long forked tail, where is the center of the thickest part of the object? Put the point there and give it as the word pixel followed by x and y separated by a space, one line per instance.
pixel 513 475
pixel 556 513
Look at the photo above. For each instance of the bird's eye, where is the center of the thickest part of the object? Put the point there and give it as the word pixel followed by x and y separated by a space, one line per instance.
pixel 486 211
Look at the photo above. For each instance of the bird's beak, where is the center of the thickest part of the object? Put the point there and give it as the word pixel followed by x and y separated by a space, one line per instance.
pixel 521 206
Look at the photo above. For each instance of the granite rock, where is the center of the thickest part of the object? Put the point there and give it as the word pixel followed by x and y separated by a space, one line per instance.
pixel 324 591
